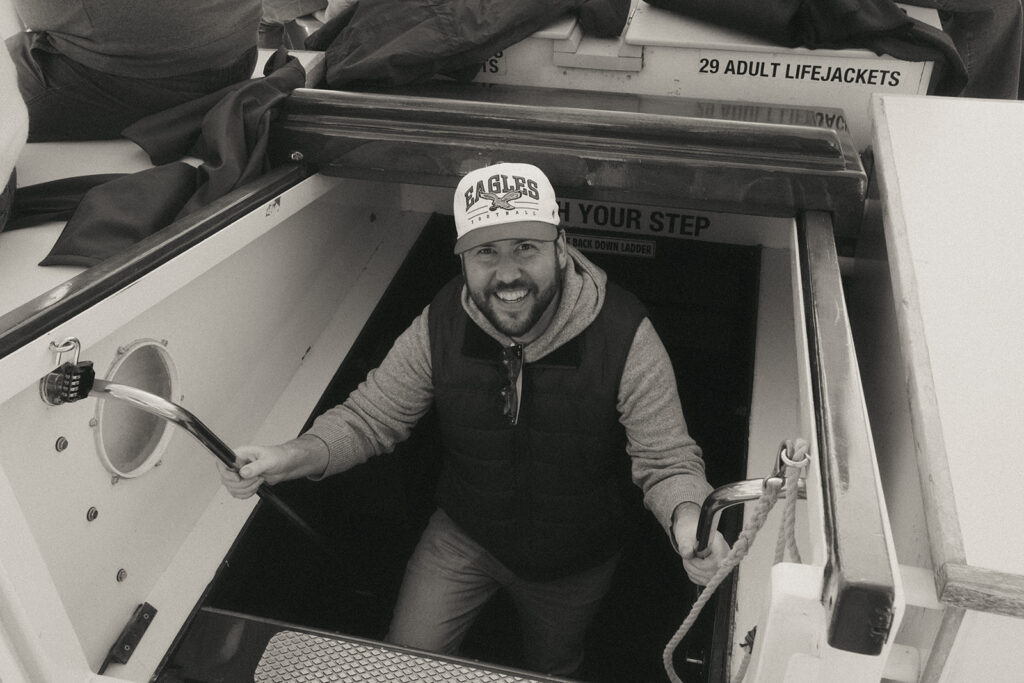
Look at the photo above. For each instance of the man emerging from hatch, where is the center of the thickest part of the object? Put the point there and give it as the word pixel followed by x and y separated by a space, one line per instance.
pixel 550 385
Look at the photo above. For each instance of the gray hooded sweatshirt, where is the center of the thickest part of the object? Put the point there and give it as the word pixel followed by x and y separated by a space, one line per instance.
pixel 666 463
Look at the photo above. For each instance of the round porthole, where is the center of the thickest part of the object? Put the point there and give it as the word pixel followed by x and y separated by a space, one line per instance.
pixel 129 440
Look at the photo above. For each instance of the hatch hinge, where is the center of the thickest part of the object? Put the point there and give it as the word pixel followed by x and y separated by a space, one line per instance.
pixel 130 636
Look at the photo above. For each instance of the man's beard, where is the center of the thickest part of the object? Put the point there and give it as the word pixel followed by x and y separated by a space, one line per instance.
pixel 517 323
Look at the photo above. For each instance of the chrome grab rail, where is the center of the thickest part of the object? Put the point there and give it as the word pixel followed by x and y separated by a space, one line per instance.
pixel 737 492
pixel 51 390
pixel 175 414
pixel 169 411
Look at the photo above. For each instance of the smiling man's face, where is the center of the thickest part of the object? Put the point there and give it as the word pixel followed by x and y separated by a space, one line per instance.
pixel 516 283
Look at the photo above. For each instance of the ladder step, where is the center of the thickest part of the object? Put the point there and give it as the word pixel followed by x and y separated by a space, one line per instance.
pixel 297 656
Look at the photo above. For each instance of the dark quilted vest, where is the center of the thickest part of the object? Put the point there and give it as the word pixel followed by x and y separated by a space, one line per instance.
pixel 552 495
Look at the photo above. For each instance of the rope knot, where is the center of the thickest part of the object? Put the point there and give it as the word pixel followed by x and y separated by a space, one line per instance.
pixel 795 453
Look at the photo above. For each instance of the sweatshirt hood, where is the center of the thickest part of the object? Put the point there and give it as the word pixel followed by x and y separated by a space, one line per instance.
pixel 581 299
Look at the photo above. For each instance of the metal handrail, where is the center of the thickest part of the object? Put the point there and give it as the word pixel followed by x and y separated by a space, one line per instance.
pixel 177 415
pixel 169 411
pixel 729 495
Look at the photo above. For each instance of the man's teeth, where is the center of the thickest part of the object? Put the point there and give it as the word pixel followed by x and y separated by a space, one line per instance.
pixel 511 295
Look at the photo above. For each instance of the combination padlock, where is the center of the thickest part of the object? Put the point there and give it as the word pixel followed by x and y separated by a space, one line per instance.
pixel 68 382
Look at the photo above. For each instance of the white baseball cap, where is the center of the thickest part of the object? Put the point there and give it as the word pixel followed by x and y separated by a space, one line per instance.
pixel 504 201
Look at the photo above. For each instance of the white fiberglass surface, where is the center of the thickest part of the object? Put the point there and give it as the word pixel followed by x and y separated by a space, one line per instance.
pixel 781 410
pixel 240 317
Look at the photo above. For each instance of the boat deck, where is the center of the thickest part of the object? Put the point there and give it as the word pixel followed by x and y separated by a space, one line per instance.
pixel 21 250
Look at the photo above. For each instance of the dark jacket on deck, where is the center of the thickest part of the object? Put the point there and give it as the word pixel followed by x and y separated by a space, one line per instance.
pixel 396 42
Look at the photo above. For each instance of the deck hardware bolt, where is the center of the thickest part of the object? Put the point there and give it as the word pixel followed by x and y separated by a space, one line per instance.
pixel 93 422
pixel 92 514
pixel 61 444
pixel 297 156
pixel 121 350
pixel 114 479
pixel 121 575
pixel 163 342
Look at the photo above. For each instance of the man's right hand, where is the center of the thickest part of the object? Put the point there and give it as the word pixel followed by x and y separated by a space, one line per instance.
pixel 255 465
pixel 302 457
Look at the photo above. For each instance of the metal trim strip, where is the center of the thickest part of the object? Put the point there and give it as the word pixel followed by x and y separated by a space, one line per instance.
pixel 629 148
pixel 860 588
pixel 34 318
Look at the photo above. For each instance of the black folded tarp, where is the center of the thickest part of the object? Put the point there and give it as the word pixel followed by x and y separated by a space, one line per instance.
pixel 397 42
pixel 105 214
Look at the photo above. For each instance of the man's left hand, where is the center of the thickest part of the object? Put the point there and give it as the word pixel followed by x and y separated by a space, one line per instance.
pixel 684 531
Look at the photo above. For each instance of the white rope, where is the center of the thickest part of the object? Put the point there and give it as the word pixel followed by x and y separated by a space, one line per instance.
pixel 797 454
pixel 737 553
pixel 797 459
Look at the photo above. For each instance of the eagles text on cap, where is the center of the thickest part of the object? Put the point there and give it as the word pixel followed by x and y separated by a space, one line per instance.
pixel 502 192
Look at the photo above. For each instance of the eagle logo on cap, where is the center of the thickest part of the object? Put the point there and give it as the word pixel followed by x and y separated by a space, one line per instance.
pixel 501 201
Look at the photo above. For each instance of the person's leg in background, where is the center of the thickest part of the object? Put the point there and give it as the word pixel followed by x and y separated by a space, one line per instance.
pixel 271 34
pixel 278 22
pixel 988 34
pixel 13 134
pixel 69 101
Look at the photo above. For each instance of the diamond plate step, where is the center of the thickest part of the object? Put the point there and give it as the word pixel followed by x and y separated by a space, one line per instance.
pixel 303 657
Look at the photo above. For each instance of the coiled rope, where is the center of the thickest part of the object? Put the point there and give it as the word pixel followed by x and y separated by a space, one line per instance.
pixel 795 462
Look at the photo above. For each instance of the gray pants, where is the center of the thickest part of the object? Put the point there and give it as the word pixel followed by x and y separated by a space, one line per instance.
pixel 70 101
pixel 450 578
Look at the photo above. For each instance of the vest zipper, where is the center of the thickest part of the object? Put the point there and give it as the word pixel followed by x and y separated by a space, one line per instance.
pixel 517 350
